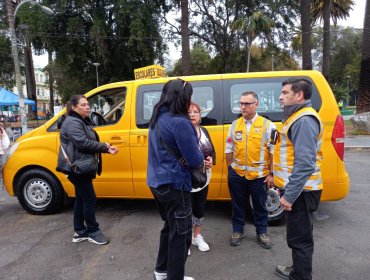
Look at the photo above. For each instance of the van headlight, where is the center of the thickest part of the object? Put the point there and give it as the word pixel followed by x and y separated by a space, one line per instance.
pixel 9 153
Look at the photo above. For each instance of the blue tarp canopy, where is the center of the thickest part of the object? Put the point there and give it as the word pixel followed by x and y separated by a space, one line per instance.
pixel 8 98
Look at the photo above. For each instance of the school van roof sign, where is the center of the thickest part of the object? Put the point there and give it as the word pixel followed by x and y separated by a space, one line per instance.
pixel 151 71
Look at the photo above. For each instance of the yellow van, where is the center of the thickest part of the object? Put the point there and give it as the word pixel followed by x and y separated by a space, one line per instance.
pixel 121 112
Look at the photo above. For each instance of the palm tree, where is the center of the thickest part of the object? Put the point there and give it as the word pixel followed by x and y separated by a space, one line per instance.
pixel 306 34
pixel 363 98
pixel 185 42
pixel 253 26
pixel 326 9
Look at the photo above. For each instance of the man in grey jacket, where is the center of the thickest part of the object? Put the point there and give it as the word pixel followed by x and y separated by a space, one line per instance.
pixel 297 160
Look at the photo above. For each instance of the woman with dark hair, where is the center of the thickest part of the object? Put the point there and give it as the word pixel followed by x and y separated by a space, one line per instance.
pixel 199 196
pixel 170 179
pixel 78 138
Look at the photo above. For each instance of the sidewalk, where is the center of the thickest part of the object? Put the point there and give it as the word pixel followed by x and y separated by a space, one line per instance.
pixel 357 143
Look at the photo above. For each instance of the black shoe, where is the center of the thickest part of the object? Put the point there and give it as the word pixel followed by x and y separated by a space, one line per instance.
pixel 283 271
pixel 80 237
pixel 99 239
pixel 236 238
pixel 264 241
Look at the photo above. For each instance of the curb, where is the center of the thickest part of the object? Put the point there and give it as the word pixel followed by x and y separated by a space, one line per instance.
pixel 357 148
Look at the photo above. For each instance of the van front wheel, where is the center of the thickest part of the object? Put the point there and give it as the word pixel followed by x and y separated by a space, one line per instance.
pixel 39 192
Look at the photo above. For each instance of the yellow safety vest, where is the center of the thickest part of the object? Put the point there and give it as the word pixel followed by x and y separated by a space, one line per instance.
pixel 284 153
pixel 251 156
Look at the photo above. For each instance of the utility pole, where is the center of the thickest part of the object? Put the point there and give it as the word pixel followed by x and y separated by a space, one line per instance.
pixel 18 78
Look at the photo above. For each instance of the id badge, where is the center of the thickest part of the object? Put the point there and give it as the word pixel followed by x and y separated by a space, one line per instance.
pixel 238 135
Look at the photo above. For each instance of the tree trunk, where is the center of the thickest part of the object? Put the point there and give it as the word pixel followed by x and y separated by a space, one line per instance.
pixel 51 82
pixel 249 56
pixel 326 39
pixel 305 7
pixel 185 52
pixel 363 98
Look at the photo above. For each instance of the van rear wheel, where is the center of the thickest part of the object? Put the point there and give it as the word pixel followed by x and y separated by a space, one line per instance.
pixel 275 211
pixel 39 192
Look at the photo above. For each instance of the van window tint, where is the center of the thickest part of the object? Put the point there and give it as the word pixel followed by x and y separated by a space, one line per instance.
pixel 268 96
pixel 204 97
pixel 268 91
pixel 206 93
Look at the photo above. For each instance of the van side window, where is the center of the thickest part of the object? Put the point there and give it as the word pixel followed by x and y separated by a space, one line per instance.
pixel 107 107
pixel 206 93
pixel 268 96
pixel 268 91
pixel 204 97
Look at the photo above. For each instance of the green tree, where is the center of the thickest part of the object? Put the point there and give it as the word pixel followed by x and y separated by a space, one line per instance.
pixel 120 35
pixel 363 103
pixel 201 62
pixel 211 23
pixel 324 10
pixel 252 27
pixel 7 64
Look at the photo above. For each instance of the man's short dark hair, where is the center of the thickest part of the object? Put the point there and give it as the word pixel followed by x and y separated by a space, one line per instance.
pixel 300 84
pixel 246 93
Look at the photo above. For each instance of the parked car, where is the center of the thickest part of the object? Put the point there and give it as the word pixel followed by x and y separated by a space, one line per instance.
pixel 14 118
pixel 121 112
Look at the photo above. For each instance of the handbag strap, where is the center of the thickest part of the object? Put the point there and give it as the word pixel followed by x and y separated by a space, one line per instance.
pixel 65 156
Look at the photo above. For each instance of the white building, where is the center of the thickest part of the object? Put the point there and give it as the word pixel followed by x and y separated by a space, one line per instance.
pixel 42 93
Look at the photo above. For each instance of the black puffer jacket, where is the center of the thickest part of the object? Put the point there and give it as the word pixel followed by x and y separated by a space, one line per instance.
pixel 78 137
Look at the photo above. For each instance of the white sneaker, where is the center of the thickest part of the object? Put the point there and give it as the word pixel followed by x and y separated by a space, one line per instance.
pixel 189 252
pixel 199 241
pixel 163 276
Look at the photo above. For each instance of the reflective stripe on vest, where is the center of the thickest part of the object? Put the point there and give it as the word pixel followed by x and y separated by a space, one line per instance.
pixel 252 162
pixel 284 153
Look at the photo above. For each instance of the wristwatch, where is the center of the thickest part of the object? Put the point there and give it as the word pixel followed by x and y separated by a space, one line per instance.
pixel 271 173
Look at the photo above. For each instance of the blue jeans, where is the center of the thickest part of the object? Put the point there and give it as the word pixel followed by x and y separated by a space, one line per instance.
pixel 84 207
pixel 175 209
pixel 240 188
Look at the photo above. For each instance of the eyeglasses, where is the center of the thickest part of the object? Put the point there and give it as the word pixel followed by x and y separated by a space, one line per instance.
pixel 193 112
pixel 246 104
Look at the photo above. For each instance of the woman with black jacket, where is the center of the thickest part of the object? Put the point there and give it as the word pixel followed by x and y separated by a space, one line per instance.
pixel 78 138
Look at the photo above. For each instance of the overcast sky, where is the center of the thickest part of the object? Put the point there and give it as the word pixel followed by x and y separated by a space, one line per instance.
pixel 356 19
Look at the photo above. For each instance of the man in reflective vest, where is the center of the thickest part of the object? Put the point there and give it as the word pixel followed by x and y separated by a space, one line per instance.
pixel 297 160
pixel 249 159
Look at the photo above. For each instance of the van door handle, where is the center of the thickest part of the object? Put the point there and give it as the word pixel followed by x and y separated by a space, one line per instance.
pixel 117 140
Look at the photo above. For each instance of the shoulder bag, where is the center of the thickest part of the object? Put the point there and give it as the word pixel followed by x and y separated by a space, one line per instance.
pixel 87 164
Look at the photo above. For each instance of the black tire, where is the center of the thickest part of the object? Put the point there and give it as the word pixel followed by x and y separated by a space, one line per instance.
pixel 39 192
pixel 276 212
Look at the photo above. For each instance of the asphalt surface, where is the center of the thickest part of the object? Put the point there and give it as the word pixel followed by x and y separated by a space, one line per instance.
pixel 40 247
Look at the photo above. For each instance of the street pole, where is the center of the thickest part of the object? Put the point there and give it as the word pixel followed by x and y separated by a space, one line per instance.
pixel 348 77
pixel 96 64
pixel 272 60
pixel 18 78
pixel 11 19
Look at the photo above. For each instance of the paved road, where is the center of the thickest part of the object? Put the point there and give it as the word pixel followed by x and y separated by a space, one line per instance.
pixel 40 247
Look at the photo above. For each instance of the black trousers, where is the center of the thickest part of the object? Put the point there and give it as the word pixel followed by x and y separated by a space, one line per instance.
pixel 175 209
pixel 198 202
pixel 300 234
